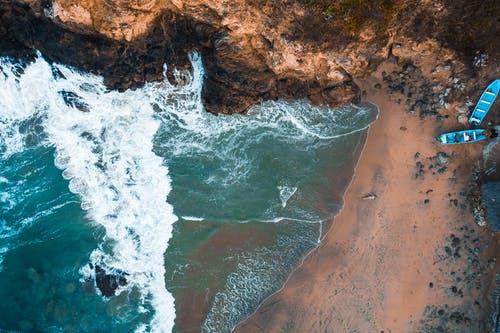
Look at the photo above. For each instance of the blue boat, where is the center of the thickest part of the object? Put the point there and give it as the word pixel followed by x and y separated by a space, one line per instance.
pixel 485 102
pixel 467 136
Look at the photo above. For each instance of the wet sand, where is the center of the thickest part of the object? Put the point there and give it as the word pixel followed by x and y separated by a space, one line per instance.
pixel 411 260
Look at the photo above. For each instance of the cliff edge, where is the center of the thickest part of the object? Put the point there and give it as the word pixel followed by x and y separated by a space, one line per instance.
pixel 252 50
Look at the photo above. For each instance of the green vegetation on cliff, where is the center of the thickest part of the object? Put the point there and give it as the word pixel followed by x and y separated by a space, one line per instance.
pixel 357 13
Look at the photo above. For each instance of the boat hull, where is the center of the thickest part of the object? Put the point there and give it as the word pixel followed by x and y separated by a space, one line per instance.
pixel 485 103
pixel 460 137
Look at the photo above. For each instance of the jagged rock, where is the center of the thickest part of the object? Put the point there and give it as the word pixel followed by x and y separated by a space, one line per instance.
pixel 251 50
pixel 71 99
pixel 245 61
pixel 109 282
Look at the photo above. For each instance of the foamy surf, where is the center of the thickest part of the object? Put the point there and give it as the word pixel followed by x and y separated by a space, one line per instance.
pixel 272 165
pixel 17 104
pixel 106 154
pixel 235 163
pixel 286 192
pixel 269 166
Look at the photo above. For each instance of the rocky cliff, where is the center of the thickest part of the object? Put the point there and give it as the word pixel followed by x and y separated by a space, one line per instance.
pixel 252 50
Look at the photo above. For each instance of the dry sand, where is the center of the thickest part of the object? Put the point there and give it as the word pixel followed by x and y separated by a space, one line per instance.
pixel 412 260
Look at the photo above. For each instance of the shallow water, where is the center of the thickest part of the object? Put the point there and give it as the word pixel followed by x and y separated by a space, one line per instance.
pixel 490 202
pixel 89 175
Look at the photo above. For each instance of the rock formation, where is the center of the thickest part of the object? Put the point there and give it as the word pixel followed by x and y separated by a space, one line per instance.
pixel 106 282
pixel 252 50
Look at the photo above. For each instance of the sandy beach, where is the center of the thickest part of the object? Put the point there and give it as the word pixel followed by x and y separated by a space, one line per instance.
pixel 112 173
pixel 412 259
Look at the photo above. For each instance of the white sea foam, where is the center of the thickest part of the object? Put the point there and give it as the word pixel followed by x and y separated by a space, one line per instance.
pixel 256 276
pixel 17 103
pixel 286 193
pixel 242 157
pixel 192 218
pixel 107 155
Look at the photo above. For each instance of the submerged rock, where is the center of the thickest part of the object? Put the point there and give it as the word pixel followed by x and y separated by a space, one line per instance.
pixel 73 100
pixel 109 282
pixel 490 201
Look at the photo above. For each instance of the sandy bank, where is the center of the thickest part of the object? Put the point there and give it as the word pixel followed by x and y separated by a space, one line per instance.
pixel 412 260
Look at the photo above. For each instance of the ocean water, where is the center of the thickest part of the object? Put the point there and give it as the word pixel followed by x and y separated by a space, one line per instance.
pixel 212 211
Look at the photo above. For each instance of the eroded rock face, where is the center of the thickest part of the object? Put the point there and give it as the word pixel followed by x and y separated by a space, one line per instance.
pixel 252 50
pixel 246 52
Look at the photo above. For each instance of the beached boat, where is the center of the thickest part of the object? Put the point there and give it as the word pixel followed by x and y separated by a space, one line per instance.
pixel 485 102
pixel 466 136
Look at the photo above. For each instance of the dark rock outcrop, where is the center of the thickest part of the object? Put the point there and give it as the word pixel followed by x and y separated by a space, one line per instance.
pixel 251 50
pixel 109 282
pixel 239 70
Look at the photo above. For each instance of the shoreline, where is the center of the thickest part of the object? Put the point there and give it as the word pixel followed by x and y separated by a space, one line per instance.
pixel 191 306
pixel 359 152
pixel 364 286
pixel 408 243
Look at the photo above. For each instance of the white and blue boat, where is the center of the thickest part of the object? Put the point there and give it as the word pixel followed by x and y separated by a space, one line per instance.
pixel 467 136
pixel 485 102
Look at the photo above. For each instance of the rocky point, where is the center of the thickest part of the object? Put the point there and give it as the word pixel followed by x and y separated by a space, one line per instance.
pixel 252 50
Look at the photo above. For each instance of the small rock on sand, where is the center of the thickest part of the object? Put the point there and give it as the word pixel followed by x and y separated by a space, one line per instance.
pixel 369 196
pixel 442 158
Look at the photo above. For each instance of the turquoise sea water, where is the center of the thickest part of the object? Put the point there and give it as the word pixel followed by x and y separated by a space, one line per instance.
pixel 213 211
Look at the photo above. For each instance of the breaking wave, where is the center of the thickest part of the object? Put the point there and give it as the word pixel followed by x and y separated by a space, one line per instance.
pixel 103 141
pixel 113 148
